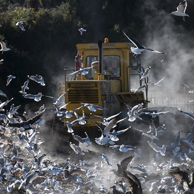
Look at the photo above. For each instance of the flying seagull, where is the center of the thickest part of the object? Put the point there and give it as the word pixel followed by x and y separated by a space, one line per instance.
pixel 20 25
pixel 82 71
pixel 4 47
pixel 37 78
pixel 81 30
pixel 138 49
pixel 1 61
pixel 9 79
pixel 27 124
pixel 122 167
pixel 181 10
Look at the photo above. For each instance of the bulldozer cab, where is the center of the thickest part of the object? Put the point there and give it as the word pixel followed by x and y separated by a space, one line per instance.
pixel 111 80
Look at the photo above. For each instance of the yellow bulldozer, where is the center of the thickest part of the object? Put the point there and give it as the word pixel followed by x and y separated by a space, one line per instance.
pixel 105 75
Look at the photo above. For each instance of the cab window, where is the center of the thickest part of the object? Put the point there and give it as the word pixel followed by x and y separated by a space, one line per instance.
pixel 111 66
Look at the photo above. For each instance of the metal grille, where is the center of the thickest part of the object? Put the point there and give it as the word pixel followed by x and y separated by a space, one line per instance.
pixel 83 95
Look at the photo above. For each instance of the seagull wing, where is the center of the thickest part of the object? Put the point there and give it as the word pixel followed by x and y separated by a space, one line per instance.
pixel 182 6
pixel 155 51
pixel 157 83
pixel 132 182
pixel 132 40
pixel 125 162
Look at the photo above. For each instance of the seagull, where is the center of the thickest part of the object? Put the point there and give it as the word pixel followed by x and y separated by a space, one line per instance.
pixel 161 150
pixel 85 140
pixel 155 114
pixel 138 49
pixel 181 10
pixel 37 78
pixel 105 120
pixel 3 94
pixel 122 166
pixel 26 124
pixel 115 190
pixel 29 179
pixel 105 139
pixel 114 133
pixel 132 183
pixel 135 112
pixel 9 79
pixel 158 83
pixel 145 74
pixel 1 61
pixel 82 71
pixel 4 47
pixel 190 91
pixel 57 101
pixel 175 143
pixel 123 148
pixel 24 87
pixel 141 88
pixel 70 124
pixel 20 25
pixel 140 168
pixel 4 104
pixel 92 107
pixel 35 97
pixel 76 148
pixel 81 30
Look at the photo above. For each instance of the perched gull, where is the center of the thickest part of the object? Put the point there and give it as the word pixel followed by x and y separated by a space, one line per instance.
pixel 181 10
pixel 20 25
pixel 81 30
pixel 4 47
pixel 139 48
pixel 9 78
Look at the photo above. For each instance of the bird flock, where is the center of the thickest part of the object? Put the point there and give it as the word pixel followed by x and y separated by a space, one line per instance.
pixel 153 159
pixel 153 164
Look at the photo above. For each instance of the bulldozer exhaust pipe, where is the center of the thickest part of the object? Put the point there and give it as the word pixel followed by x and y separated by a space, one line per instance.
pixel 100 55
